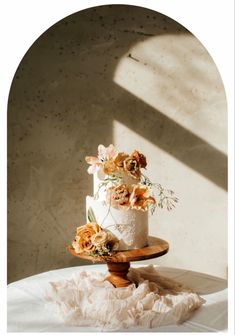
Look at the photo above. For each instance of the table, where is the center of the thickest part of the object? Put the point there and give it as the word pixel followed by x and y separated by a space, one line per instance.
pixel 27 312
pixel 119 263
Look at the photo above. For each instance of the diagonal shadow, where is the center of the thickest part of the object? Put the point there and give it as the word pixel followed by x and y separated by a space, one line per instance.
pixel 182 143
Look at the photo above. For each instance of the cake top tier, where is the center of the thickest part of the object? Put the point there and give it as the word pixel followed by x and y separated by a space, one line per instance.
pixel 120 181
pixel 111 162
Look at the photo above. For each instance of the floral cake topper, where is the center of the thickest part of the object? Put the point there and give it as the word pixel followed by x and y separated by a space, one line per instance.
pixel 119 165
pixel 113 162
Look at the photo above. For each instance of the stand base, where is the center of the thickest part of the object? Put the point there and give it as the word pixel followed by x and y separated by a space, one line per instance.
pixel 118 274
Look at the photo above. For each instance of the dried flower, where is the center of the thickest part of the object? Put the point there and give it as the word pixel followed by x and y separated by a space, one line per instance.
pixel 109 167
pixel 140 158
pixel 140 198
pixel 131 166
pixel 119 160
pixel 105 241
pixel 167 198
pixel 133 163
pixel 118 196
pixel 82 242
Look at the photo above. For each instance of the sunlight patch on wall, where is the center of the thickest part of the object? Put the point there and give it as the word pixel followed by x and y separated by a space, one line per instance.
pixel 200 213
pixel 161 164
pixel 176 76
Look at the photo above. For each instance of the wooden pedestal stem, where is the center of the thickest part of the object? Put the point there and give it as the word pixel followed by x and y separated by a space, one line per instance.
pixel 118 274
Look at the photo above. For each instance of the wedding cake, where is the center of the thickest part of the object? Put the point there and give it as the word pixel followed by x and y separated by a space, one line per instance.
pixel 117 213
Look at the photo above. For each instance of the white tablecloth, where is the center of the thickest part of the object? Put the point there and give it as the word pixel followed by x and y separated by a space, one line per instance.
pixel 27 311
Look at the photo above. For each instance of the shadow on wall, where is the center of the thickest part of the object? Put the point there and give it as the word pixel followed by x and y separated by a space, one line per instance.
pixel 62 104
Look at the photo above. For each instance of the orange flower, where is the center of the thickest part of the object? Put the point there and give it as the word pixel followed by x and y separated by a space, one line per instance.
pixel 118 196
pixel 82 242
pixel 119 159
pixel 109 167
pixel 131 166
pixel 140 198
pixel 141 159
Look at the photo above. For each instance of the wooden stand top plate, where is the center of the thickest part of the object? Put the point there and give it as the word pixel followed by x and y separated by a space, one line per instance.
pixel 119 263
pixel 156 248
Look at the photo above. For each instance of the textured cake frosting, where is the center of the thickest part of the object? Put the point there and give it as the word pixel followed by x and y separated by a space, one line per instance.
pixel 130 226
pixel 117 213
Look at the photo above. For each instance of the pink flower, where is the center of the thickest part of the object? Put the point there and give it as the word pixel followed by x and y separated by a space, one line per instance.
pixel 118 196
pixel 95 164
pixel 104 154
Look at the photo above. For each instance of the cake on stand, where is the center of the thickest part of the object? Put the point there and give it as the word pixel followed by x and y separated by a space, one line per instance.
pixel 119 263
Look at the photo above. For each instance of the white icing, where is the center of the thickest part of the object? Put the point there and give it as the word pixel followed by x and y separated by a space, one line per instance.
pixel 129 226
pixel 98 178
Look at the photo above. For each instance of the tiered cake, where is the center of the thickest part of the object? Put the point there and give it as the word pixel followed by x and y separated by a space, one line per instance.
pixel 117 213
pixel 130 226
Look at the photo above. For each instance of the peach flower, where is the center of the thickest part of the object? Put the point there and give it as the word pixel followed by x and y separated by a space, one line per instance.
pixel 140 158
pixel 119 159
pixel 140 198
pixel 131 166
pixel 133 163
pixel 109 167
pixel 118 196
pixel 82 242
pixel 105 241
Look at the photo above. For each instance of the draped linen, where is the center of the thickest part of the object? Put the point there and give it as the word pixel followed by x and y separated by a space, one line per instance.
pixel 153 300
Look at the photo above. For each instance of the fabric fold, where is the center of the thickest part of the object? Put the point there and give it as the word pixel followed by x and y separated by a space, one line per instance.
pixel 87 299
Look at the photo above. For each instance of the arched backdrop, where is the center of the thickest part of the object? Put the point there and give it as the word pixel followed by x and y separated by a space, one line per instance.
pixel 129 76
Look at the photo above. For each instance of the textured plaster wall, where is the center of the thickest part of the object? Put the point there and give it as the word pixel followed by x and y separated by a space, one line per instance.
pixel 133 77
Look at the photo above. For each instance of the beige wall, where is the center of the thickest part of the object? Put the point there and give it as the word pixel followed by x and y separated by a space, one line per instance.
pixel 75 88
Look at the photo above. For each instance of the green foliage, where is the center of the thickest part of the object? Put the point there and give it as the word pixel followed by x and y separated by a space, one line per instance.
pixel 91 215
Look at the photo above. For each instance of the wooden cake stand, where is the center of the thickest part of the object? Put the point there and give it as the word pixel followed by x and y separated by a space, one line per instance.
pixel 119 263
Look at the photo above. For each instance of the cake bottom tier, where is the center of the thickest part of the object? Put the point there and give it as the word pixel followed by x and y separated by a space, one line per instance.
pixel 129 226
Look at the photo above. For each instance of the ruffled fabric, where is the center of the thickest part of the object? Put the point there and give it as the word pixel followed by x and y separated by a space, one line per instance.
pixel 87 299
